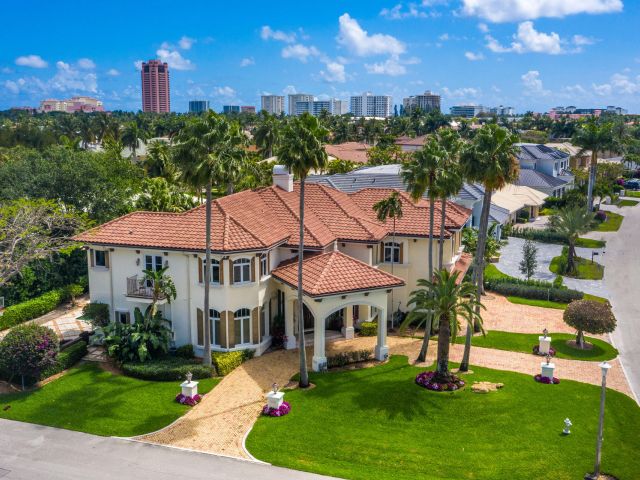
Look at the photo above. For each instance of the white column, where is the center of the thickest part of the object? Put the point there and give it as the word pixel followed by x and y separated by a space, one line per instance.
pixel 382 350
pixel 319 361
pixel 347 329
pixel 288 325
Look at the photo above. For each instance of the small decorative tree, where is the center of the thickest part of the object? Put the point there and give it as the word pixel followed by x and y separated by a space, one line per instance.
pixel 591 317
pixel 27 350
pixel 529 261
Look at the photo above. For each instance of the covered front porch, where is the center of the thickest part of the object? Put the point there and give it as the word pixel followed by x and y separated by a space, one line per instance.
pixel 339 292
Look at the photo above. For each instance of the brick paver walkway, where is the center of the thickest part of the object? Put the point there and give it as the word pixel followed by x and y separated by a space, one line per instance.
pixel 505 316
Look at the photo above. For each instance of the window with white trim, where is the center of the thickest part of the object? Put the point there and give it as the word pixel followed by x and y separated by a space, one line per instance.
pixel 100 258
pixel 242 326
pixel 215 270
pixel 214 317
pixel 264 269
pixel 153 263
pixel 263 322
pixel 242 270
pixel 391 252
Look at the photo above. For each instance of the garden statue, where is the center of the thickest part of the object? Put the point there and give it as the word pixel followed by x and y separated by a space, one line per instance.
pixel 545 332
pixel 275 387
pixel 548 357
pixel 189 377
pixel 567 426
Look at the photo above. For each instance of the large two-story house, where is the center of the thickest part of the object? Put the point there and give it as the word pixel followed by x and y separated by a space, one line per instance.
pixel 544 169
pixel 348 258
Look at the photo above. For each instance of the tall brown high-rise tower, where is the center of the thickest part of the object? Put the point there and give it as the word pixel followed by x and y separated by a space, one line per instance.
pixel 155 87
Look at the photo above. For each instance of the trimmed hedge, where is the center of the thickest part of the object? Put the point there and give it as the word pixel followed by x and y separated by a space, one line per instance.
pixel 97 313
pixel 25 311
pixel 226 362
pixel 546 235
pixel 66 358
pixel 166 369
pixel 345 358
pixel 185 351
pixel 368 329
pixel 563 295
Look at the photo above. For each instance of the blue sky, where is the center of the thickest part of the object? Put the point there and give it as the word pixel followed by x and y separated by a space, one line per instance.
pixel 530 54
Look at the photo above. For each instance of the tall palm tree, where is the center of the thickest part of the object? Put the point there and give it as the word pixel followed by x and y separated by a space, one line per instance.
pixel 596 137
pixel 162 286
pixel 419 175
pixel 302 150
pixel 234 161
pixel 491 160
pixel 158 160
pixel 199 146
pixel 572 222
pixel 267 134
pixel 449 302
pixel 132 134
pixel 390 207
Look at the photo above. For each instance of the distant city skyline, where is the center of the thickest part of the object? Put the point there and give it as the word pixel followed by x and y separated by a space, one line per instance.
pixel 532 55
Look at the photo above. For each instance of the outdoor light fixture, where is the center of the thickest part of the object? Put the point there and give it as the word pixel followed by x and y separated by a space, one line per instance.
pixel 604 367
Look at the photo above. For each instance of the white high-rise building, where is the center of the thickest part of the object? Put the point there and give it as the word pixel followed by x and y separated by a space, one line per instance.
pixel 370 105
pixel 340 107
pixel 294 98
pixel 273 104
pixel 428 102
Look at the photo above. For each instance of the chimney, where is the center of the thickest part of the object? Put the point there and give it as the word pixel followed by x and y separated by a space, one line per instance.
pixel 282 178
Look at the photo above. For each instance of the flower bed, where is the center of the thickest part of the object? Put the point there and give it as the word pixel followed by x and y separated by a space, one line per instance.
pixel 191 401
pixel 540 379
pixel 536 351
pixel 426 380
pixel 281 411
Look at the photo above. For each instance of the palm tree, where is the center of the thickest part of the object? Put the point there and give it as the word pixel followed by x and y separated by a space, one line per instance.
pixel 157 162
pixel 267 134
pixel 419 175
pixel 572 222
pixel 448 301
pixel 234 162
pixel 491 160
pixel 302 150
pixel 596 137
pixel 162 286
pixel 132 134
pixel 390 207
pixel 199 146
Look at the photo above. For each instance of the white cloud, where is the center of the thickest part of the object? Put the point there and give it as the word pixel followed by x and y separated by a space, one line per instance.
pixel 112 72
pixel 474 57
pixel 138 65
pixel 267 33
pixel 86 64
pixel 483 27
pixel 226 92
pixel 6 70
pixel 602 90
pixel 398 13
pixel 533 84
pixel 289 90
pixel 32 61
pixel 174 59
pixel 444 37
pixel 528 39
pixel 300 52
pixel 68 78
pixel 581 40
pixel 185 42
pixel 333 73
pixel 247 61
pixel 392 67
pixel 464 92
pixel 515 10
pixel 359 42
pixel 14 87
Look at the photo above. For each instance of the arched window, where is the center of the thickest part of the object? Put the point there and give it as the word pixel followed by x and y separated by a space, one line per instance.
pixel 391 252
pixel 242 270
pixel 215 270
pixel 242 326
pixel 214 315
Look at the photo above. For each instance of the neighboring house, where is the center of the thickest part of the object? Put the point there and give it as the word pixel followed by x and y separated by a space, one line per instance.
pixel 347 279
pixel 352 151
pixel 411 144
pixel 514 199
pixel 578 158
pixel 545 169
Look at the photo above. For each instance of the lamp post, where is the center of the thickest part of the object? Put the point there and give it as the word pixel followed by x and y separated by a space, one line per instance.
pixel 604 366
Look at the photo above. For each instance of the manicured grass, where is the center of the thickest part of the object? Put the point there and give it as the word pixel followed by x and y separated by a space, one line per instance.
pixel 585 270
pixel 627 203
pixel 590 243
pixel 611 224
pixel 89 399
pixel 596 298
pixel 524 342
pixel 377 423
pixel 537 303
pixel 491 271
pixel 632 194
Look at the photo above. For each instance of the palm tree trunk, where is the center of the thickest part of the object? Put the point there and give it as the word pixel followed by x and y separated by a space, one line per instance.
pixel 422 356
pixel 229 188
pixel 206 358
pixel 442 226
pixel 444 337
pixel 392 263
pixel 304 375
pixel 571 267
pixel 592 179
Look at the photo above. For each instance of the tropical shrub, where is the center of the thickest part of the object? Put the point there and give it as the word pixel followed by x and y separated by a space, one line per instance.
pixel 97 313
pixel 73 291
pixel 563 295
pixel 558 281
pixel 27 351
pixel 345 358
pixel 554 202
pixel 368 329
pixel 185 351
pixel 226 362
pixel 66 359
pixel 147 338
pixel 591 317
pixel 545 235
pixel 167 369
pixel 601 216
pixel 25 311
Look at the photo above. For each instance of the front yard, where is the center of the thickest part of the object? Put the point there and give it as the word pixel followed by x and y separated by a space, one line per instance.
pixel 611 224
pixel 585 268
pixel 92 400
pixel 377 423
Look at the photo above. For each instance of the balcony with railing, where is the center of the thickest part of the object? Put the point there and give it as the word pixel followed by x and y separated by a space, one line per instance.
pixel 140 289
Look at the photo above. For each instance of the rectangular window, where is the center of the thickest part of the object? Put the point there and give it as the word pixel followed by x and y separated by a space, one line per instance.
pixel 263 321
pixel 242 270
pixel 214 315
pixel 215 270
pixel 123 317
pixel 100 258
pixel 153 262
pixel 391 252
pixel 264 269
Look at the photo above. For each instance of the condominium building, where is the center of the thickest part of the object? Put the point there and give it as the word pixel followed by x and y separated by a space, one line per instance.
pixel 247 109
pixel 295 98
pixel 370 105
pixel 71 105
pixel 155 87
pixel 427 102
pixel 231 109
pixel 340 107
pixel 467 111
pixel 576 113
pixel 502 111
pixel 198 106
pixel 273 104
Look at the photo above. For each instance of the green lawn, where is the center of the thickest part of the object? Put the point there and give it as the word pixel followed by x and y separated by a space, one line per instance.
pixel 627 203
pixel 491 271
pixel 632 194
pixel 585 269
pixel 588 296
pixel 590 243
pixel 611 224
pixel 89 399
pixel 524 342
pixel 537 303
pixel 377 423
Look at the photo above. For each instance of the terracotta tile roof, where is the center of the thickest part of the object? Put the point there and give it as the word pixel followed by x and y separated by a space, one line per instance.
pixel 260 219
pixel 462 266
pixel 334 273
pixel 411 141
pixel 352 151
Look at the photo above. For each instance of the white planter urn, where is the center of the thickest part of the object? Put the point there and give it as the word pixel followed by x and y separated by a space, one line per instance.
pixel 547 369
pixel 275 399
pixel 544 344
pixel 189 388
